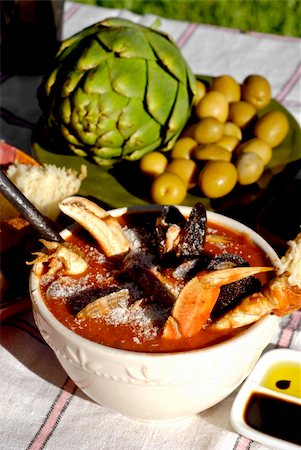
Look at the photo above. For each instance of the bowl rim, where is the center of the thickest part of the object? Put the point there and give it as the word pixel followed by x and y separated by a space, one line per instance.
pixel 39 304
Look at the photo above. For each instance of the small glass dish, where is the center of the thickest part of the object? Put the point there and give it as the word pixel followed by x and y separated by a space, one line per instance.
pixel 267 408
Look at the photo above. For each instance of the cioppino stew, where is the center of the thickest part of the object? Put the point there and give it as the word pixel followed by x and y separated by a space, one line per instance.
pixel 169 272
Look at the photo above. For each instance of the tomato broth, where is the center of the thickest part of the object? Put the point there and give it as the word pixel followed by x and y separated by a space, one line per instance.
pixel 136 323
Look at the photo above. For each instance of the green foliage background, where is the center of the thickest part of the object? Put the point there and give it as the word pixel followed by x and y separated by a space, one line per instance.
pixel 268 16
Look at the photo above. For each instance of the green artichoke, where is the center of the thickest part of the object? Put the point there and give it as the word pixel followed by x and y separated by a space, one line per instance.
pixel 117 90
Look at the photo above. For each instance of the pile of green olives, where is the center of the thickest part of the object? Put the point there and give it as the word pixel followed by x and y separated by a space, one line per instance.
pixel 226 144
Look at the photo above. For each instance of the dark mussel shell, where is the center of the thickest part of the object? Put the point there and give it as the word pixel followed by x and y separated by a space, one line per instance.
pixel 193 238
pixel 190 234
pixel 226 261
pixel 170 216
pixel 231 294
pixel 191 266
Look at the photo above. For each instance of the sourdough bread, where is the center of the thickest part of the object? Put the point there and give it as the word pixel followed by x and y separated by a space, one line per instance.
pixel 44 186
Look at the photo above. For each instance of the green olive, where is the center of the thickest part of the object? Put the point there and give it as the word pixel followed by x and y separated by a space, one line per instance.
pixel 168 189
pixel 183 147
pixel 208 130
pixel 249 168
pixel 241 113
pixel 272 128
pixel 258 146
pixel 231 129
pixel 186 169
pixel 213 104
pixel 228 86
pixel 212 152
pixel 217 178
pixel 153 164
pixel 228 142
pixel 256 90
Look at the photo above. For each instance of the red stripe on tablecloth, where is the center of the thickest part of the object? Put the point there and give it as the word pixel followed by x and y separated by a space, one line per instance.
pixel 186 35
pixel 287 333
pixel 276 37
pixel 242 443
pixel 295 320
pixel 71 11
pixel 54 415
pixel 224 29
pixel 290 84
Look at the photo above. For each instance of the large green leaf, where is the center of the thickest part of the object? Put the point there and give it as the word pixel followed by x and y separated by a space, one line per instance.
pixel 123 185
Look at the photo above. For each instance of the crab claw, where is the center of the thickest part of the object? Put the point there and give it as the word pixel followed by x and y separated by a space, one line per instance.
pixel 196 300
pixel 101 225
pixel 277 297
pixel 60 256
pixel 281 296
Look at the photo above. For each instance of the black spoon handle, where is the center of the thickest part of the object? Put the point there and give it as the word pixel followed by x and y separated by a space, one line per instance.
pixel 41 224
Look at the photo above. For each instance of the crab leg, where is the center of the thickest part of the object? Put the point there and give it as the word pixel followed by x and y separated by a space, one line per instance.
pixel 281 296
pixel 60 256
pixel 196 300
pixel 101 225
pixel 277 297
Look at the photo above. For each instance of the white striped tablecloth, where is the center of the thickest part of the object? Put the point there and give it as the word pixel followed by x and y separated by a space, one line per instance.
pixel 40 406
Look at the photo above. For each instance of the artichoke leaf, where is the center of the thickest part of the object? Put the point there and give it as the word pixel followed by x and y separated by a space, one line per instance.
pixel 90 121
pixel 86 137
pixel 159 82
pixel 92 56
pixel 82 100
pixel 61 58
pixel 72 42
pixel 106 152
pixel 191 82
pixel 65 110
pixel 169 55
pixel 132 117
pixel 180 111
pixel 84 108
pixel 97 81
pixel 50 81
pixel 82 105
pixel 127 43
pixel 112 138
pixel 128 76
pixel 137 154
pixel 104 124
pixel 110 104
pixel 105 162
pixel 144 136
pixel 69 136
pixel 71 81
pixel 117 22
pixel 78 151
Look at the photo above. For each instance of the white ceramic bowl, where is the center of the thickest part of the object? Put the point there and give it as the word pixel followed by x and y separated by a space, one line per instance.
pixel 149 386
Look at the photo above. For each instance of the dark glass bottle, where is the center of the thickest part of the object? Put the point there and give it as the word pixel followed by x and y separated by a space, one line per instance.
pixel 30 34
